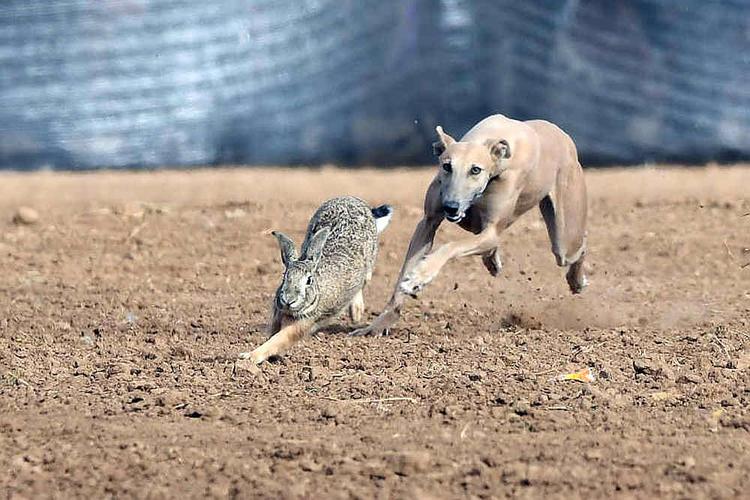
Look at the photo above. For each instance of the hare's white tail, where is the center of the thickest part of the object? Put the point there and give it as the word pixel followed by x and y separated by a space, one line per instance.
pixel 382 215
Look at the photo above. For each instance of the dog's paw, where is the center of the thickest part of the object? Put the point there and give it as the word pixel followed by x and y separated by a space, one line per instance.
pixel 493 263
pixel 415 281
pixel 578 285
pixel 374 330
pixel 411 287
pixel 380 327
pixel 576 278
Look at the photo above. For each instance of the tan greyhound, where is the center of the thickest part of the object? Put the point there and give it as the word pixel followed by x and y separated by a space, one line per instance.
pixel 498 171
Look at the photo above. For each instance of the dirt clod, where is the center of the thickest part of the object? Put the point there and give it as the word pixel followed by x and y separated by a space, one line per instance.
pixel 522 407
pixel 652 367
pixel 410 463
pixel 689 378
pixel 26 216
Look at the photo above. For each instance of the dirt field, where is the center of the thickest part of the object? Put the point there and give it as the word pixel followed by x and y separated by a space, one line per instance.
pixel 123 306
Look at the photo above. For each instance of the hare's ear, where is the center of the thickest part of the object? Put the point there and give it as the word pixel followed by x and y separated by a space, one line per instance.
pixel 317 242
pixel 288 252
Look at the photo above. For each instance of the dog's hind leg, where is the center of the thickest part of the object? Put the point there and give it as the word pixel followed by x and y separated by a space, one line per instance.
pixel 564 211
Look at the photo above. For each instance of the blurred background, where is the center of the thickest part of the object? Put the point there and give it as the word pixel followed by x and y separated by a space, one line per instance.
pixel 146 83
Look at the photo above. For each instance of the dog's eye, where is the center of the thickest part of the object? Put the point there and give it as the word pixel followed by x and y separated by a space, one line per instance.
pixel 475 170
pixel 447 167
pixel 309 280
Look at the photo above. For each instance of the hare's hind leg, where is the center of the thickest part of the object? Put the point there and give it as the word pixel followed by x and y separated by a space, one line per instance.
pixel 283 340
pixel 357 307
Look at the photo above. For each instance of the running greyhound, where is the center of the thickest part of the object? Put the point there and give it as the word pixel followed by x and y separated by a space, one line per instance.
pixel 497 172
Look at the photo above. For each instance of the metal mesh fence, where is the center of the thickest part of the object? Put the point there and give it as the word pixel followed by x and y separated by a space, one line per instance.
pixel 142 83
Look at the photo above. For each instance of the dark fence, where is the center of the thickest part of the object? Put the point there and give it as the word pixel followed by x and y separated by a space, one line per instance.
pixel 135 83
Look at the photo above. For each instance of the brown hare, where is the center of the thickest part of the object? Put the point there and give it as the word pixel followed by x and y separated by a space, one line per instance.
pixel 335 262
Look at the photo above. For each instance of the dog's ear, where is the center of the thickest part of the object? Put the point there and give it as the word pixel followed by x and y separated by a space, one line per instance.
pixel 444 140
pixel 288 252
pixel 499 149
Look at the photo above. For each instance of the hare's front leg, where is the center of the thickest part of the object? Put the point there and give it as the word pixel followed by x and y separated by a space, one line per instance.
pixel 283 340
pixel 276 317
pixel 357 307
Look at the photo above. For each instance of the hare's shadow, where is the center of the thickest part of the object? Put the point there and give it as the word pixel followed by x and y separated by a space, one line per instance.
pixel 337 329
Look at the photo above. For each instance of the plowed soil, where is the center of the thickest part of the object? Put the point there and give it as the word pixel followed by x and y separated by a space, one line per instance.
pixel 124 305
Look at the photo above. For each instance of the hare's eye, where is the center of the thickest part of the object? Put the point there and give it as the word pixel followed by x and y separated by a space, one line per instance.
pixel 475 170
pixel 309 280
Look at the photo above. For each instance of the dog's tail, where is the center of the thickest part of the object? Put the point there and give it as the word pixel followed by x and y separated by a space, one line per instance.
pixel 382 215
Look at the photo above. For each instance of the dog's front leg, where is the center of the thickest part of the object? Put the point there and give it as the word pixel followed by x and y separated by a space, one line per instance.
pixel 421 243
pixel 429 267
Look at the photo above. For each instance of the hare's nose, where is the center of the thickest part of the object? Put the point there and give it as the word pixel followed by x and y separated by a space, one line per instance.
pixel 289 303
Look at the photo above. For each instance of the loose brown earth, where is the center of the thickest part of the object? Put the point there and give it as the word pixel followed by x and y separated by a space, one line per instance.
pixel 124 305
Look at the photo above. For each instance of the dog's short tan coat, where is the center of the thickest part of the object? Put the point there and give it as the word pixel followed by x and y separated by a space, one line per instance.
pixel 495 173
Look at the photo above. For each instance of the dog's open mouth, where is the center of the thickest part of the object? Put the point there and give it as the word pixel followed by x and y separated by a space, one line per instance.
pixel 455 218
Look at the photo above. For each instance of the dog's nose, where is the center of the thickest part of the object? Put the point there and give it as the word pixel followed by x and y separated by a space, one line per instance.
pixel 451 208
